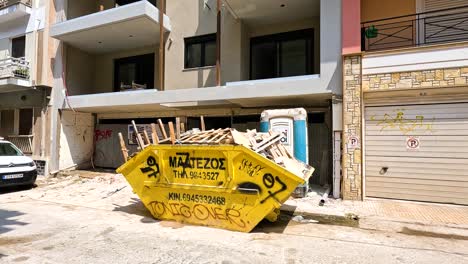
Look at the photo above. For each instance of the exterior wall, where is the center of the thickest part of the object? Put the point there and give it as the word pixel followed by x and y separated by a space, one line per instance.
pixel 416 79
pixel 198 20
pixel 235 42
pixel 94 73
pixel 380 9
pixel 76 139
pixel 418 58
pixel 80 71
pixel 4 48
pixel 352 129
pixel 351 26
pixel 104 64
pixel 80 8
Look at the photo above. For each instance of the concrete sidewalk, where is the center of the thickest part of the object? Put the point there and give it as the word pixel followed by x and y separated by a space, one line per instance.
pixel 428 219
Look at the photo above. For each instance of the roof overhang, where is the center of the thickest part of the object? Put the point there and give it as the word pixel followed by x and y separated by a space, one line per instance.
pixel 124 27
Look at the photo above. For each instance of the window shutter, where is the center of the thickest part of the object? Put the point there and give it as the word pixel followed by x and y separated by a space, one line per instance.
pixel 434 5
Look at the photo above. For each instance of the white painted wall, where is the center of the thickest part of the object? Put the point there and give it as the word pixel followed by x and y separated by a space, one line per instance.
pixel 76 139
pixel 416 59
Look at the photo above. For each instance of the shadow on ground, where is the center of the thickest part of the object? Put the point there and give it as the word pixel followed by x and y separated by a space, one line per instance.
pixel 7 221
pixel 136 207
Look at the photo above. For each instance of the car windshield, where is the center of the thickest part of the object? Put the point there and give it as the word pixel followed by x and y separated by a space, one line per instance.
pixel 8 149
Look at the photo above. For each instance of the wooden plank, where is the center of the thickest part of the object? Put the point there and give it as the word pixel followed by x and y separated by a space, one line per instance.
pixel 163 130
pixel 123 147
pixel 172 133
pixel 182 127
pixel 202 123
pixel 138 136
pixel 154 134
pixel 147 140
pixel 240 139
pixel 267 142
pixel 178 127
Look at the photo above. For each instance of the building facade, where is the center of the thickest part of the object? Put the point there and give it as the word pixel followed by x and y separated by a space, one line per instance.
pixel 271 55
pixel 384 83
pixel 405 100
pixel 23 93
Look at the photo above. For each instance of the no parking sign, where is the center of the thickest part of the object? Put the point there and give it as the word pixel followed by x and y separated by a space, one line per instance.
pixel 413 143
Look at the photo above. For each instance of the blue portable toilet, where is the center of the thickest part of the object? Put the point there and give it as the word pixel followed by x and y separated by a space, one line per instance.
pixel 292 123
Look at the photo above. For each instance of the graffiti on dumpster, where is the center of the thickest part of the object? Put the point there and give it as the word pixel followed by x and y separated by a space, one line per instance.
pixel 250 168
pixel 152 168
pixel 269 182
pixel 203 168
pixel 198 211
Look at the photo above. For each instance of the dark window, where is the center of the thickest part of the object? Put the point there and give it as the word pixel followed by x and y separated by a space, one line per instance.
pixel 25 121
pixel 126 2
pixel 18 47
pixel 134 72
pixel 282 55
pixel 200 51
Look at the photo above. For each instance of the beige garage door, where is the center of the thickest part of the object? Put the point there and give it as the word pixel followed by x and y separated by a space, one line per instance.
pixel 417 152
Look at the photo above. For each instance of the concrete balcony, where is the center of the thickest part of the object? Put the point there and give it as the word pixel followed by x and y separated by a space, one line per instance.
pixel 13 9
pixel 121 28
pixel 14 74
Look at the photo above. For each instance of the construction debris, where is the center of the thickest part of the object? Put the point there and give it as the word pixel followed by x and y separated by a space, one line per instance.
pixel 265 144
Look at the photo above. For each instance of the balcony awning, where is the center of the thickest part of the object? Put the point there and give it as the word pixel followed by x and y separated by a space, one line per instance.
pixel 129 26
pixel 13 85
pixel 14 10
pixel 304 90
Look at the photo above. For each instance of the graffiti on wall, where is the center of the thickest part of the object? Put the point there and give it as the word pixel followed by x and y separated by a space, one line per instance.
pixel 405 125
pixel 102 134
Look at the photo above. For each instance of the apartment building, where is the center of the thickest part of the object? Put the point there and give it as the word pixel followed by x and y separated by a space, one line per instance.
pixel 227 60
pixel 405 100
pixel 23 95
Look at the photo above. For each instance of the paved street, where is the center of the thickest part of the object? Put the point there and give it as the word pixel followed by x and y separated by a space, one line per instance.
pixel 96 218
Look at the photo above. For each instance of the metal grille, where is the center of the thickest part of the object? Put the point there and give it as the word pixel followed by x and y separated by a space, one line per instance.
pixel 14 68
pixel 24 143
pixel 441 26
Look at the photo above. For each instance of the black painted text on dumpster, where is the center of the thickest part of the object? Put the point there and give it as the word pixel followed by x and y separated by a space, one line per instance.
pixel 183 165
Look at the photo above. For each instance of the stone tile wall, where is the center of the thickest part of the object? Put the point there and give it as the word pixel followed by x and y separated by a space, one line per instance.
pixel 352 127
pixel 416 79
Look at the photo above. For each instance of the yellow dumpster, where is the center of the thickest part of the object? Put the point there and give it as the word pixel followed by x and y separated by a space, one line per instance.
pixel 223 186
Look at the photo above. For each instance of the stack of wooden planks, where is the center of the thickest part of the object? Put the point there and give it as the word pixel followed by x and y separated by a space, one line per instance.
pixel 266 144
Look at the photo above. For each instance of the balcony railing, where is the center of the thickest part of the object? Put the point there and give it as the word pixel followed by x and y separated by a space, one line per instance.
pixel 24 143
pixel 435 27
pixel 6 3
pixel 14 68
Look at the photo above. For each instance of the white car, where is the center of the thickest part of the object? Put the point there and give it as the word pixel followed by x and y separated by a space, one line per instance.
pixel 15 167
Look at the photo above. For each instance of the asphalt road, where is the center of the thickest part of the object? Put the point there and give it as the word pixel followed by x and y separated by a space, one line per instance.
pixel 84 221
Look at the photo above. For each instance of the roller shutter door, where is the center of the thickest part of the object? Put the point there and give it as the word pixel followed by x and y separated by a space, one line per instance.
pixel 417 152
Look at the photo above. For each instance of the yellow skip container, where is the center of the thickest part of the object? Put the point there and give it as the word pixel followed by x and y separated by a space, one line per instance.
pixel 223 186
